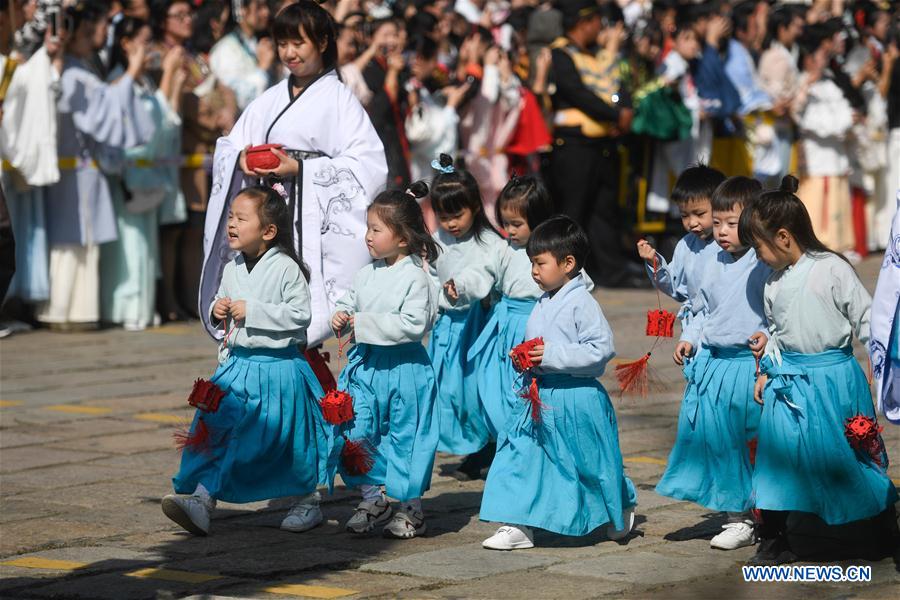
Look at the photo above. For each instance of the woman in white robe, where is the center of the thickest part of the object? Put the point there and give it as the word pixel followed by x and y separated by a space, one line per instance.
pixel 333 164
pixel 97 121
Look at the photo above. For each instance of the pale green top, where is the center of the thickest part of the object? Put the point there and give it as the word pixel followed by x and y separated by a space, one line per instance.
pixel 471 264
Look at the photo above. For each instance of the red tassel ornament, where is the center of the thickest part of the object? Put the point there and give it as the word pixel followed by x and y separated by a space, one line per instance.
pixel 863 433
pixel 356 456
pixel 660 323
pixel 206 396
pixel 633 376
pixel 533 396
pixel 751 448
pixel 197 440
pixel 519 354
pixel 337 407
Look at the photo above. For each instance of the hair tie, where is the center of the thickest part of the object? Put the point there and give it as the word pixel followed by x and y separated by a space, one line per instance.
pixel 409 192
pixel 436 165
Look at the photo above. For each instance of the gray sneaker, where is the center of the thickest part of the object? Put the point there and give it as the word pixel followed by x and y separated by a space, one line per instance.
pixel 368 515
pixel 405 525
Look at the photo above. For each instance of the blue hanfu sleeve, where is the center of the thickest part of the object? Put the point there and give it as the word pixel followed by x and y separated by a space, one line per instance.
pixel 594 349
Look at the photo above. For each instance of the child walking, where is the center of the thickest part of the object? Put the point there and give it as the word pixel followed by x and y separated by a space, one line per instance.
pixel 710 462
pixel 267 438
pixel 466 273
pixel 694 253
pixel 558 465
pixel 810 383
pixel 389 309
pixel 523 204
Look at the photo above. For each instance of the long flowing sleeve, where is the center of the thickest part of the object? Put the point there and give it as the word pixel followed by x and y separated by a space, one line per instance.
pixel 852 299
pixel 594 349
pixel 230 65
pixel 411 321
pixel 291 314
pixel 669 277
pixel 112 114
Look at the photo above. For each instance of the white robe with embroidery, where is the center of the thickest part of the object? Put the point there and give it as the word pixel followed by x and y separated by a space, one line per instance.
pixel 336 188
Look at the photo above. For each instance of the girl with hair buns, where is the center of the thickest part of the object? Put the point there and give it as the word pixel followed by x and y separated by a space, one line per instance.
pixel 388 310
pixel 810 383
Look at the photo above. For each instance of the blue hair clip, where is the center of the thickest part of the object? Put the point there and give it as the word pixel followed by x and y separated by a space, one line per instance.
pixel 436 165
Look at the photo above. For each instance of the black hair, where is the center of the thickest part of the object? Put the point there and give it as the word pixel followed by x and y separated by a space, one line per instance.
pixel 528 196
pixel 85 11
pixel 273 210
pixel 159 14
pixel 202 39
pixel 735 191
pixel 423 46
pixel 317 24
pixel 126 28
pixel 421 24
pixel 777 209
pixel 781 17
pixel 742 14
pixel 458 190
pixel 370 26
pixel 401 212
pixel 611 14
pixel 561 236
pixel 697 182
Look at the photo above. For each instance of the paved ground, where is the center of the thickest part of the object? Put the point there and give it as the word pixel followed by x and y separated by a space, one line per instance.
pixel 85 432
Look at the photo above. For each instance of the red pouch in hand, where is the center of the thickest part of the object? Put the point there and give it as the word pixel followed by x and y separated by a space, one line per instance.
pixel 262 157
pixel 520 358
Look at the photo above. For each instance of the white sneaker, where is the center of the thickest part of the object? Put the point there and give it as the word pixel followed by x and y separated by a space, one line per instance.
pixel 190 512
pixel 736 535
pixel 302 517
pixel 510 538
pixel 618 534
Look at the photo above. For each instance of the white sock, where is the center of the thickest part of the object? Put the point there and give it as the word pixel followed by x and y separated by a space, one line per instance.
pixel 415 504
pixel 310 499
pixel 371 493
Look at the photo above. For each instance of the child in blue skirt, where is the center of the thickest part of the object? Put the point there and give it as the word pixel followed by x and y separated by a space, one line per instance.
pixel 695 252
pixel 267 438
pixel 523 204
pixel 710 462
pixel 810 382
pixel 465 273
pixel 558 464
pixel 389 309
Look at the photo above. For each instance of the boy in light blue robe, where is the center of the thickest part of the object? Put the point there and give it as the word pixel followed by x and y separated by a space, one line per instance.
pixel 558 464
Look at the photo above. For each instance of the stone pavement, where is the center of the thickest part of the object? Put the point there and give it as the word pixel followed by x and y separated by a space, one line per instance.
pixel 86 424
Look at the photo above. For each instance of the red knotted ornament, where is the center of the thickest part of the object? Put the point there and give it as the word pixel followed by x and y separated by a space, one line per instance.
pixel 206 396
pixel 863 433
pixel 261 157
pixel 660 323
pixel 519 355
pixel 337 407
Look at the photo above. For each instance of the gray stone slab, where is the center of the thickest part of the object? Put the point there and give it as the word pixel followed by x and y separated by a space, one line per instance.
pixel 21 459
pixel 536 584
pixel 461 563
pixel 126 443
pixel 276 559
pixel 121 587
pixel 646 567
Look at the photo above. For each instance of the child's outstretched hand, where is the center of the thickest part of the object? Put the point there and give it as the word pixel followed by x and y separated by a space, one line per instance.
pixel 340 320
pixel 238 310
pixel 450 290
pixel 645 250
pixel 758 343
pixel 759 387
pixel 683 350
pixel 221 307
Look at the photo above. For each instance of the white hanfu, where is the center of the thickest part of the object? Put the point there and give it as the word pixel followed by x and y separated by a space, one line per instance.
pixel 97 123
pixel 336 187
pixel 884 344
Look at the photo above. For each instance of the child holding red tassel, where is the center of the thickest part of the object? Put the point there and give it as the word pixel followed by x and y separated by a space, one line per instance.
pixel 710 462
pixel 388 310
pixel 680 279
pixel 814 453
pixel 558 464
pixel 258 432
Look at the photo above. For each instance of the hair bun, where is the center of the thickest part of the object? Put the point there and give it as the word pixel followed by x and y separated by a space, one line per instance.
pixel 445 160
pixel 789 184
pixel 418 189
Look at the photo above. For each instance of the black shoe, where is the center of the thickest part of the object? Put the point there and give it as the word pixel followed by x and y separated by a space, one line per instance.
pixel 773 551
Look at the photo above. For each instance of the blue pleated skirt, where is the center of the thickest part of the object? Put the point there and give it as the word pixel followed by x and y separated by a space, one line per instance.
pixel 463 423
pixel 804 461
pixel 268 438
pixel 710 462
pixel 565 473
pixel 394 396
pixel 497 381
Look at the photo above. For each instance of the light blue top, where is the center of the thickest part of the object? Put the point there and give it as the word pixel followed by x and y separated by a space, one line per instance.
pixel 577 339
pixel 816 305
pixel 277 298
pixel 732 292
pixel 391 305
pixel 680 279
pixel 472 265
pixel 741 70
pixel 514 274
